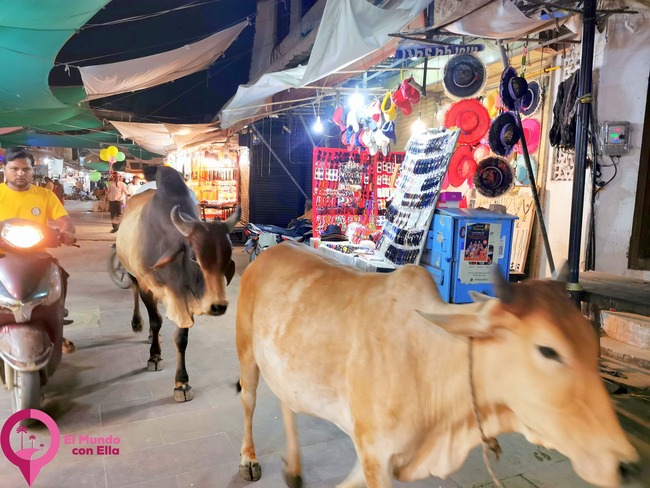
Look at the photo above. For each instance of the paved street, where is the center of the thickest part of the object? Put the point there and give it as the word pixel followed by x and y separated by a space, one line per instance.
pixel 104 389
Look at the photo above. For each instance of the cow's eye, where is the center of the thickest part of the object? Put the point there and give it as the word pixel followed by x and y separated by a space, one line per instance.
pixel 549 353
pixel 193 257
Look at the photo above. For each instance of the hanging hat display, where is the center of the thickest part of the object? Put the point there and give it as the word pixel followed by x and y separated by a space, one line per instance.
pixel 531 100
pixel 513 88
pixel 481 151
pixel 465 76
pixel 337 118
pixel 521 173
pixel 387 107
pixel 493 177
pixel 383 142
pixel 471 118
pixel 504 134
pixel 389 131
pixel 374 111
pixel 409 91
pixel 532 132
pixel 352 120
pixel 461 166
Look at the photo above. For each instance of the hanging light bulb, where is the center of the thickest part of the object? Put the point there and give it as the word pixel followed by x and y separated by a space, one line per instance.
pixel 356 101
pixel 418 126
pixel 318 125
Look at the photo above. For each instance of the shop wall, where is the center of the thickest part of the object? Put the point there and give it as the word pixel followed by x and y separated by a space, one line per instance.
pixel 274 198
pixel 622 92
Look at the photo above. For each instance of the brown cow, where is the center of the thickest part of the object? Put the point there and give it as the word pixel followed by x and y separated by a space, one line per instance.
pixel 387 361
pixel 174 257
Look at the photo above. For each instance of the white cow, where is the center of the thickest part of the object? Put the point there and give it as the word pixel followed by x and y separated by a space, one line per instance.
pixel 387 361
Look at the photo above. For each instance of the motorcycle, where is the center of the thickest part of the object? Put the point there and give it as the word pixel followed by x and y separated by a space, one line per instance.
pixel 260 237
pixel 32 310
pixel 116 271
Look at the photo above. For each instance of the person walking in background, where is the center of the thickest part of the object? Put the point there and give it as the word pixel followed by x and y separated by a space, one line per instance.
pixel 49 184
pixel 58 190
pixel 116 196
pixel 132 187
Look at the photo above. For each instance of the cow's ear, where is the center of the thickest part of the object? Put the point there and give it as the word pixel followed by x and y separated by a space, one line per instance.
pixel 230 272
pixel 232 221
pixel 168 257
pixel 470 320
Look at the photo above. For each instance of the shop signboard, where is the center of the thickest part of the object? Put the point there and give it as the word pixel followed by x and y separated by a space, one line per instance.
pixel 411 50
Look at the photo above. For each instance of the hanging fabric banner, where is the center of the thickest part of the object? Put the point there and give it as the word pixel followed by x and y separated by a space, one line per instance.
pixel 411 50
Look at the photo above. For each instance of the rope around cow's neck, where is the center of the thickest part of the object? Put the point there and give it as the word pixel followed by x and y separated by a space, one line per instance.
pixel 486 443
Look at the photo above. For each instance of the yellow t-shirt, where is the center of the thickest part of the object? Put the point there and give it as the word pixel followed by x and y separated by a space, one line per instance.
pixel 36 204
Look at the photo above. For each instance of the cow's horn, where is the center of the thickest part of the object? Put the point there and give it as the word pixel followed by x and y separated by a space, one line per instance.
pixel 563 274
pixel 502 289
pixel 183 225
pixel 231 222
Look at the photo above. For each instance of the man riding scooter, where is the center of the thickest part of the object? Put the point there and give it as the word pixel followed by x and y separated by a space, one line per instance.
pixel 20 198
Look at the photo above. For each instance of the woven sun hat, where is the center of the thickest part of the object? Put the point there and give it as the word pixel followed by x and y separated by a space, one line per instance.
pixel 333 232
pixel 504 134
pixel 465 76
pixel 521 173
pixel 471 118
pixel 481 151
pixel 387 107
pixel 462 166
pixel 493 177
pixel 532 131
pixel 531 100
pixel 512 88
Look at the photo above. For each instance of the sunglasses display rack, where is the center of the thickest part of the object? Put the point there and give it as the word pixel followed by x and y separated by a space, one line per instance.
pixel 409 214
pixel 350 187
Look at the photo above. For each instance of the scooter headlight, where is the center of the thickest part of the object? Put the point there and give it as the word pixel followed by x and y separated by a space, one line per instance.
pixel 21 235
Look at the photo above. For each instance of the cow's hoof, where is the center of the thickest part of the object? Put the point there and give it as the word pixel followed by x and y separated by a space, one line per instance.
pixel 291 480
pixel 250 470
pixel 155 364
pixel 183 393
pixel 136 325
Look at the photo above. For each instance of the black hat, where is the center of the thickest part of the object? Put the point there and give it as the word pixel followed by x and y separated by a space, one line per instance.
pixel 504 134
pixel 530 102
pixel 333 232
pixel 494 176
pixel 513 88
pixel 465 75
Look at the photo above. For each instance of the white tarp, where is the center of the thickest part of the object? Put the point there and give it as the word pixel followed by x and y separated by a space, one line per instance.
pixel 137 74
pixel 349 31
pixel 250 99
pixel 498 20
pixel 164 138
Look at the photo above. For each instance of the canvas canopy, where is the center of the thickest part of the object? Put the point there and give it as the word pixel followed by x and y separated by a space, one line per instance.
pixel 164 138
pixel 349 31
pixel 140 73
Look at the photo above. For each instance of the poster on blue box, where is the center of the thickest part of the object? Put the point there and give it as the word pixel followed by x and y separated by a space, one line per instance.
pixel 481 251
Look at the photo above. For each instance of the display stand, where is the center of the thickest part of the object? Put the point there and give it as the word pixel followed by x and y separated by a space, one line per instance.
pixel 351 187
pixel 409 215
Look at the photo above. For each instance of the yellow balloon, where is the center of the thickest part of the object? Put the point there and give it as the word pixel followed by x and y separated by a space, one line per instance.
pixel 103 155
pixel 112 151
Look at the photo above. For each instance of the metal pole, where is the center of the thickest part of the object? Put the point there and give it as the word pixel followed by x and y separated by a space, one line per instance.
pixel 582 129
pixel 279 161
pixel 533 185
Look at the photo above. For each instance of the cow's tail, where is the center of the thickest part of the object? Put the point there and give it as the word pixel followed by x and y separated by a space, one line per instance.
pixel 238 386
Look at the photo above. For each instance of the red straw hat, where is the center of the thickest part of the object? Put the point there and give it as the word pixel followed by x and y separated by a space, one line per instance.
pixel 461 166
pixel 532 131
pixel 471 118
pixel 401 102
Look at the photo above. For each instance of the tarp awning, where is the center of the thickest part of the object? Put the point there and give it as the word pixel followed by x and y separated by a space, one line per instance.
pixel 164 138
pixel 349 31
pixel 137 74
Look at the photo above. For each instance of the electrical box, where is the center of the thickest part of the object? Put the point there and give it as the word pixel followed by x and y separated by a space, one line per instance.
pixel 463 248
pixel 615 138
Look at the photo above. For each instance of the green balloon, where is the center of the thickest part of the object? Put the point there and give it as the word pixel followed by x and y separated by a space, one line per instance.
pixel 95 176
pixel 120 156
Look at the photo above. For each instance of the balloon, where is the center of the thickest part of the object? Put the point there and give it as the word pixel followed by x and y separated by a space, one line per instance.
pixel 103 155
pixel 112 151
pixel 95 176
pixel 120 156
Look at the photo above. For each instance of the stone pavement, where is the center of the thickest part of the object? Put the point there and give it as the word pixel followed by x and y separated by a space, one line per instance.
pixel 104 389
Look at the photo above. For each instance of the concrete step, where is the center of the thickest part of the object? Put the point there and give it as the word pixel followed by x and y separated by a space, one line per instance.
pixel 626 353
pixel 629 328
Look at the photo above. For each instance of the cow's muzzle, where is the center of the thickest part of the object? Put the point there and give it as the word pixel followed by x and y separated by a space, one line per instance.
pixel 629 472
pixel 218 309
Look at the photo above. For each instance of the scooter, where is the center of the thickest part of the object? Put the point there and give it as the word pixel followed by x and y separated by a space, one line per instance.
pixel 261 237
pixel 31 310
pixel 116 271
